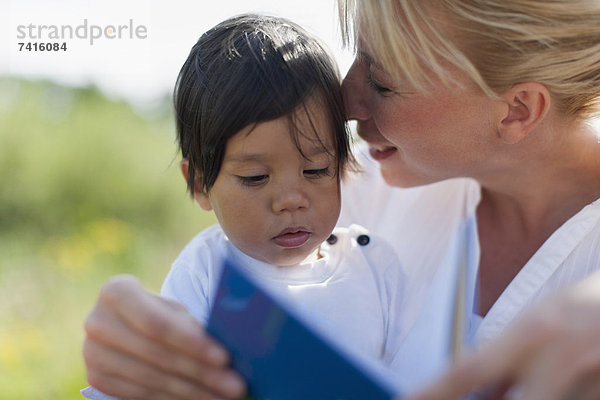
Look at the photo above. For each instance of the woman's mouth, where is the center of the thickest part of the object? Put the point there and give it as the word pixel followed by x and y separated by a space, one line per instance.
pixel 292 237
pixel 380 153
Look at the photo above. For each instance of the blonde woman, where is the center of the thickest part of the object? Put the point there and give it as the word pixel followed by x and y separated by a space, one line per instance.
pixel 484 109
pixel 471 110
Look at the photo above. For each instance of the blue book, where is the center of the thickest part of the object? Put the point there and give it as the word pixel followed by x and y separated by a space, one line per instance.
pixel 279 355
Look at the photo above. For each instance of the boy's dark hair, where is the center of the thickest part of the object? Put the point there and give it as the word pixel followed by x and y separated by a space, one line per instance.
pixel 245 70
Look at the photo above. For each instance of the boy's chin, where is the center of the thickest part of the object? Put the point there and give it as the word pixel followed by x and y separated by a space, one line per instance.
pixel 294 259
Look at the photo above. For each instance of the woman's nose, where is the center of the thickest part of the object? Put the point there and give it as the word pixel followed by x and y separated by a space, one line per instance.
pixel 353 90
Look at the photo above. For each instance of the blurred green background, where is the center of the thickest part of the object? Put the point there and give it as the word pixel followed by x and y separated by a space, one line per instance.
pixel 89 187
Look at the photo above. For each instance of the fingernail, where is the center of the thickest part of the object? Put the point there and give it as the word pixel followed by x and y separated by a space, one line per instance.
pixel 217 355
pixel 232 385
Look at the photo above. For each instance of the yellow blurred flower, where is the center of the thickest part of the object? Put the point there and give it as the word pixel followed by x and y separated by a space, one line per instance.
pixel 109 235
pixel 10 354
pixel 72 254
pixel 21 343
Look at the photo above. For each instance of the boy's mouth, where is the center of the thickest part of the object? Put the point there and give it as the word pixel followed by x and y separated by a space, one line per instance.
pixel 292 237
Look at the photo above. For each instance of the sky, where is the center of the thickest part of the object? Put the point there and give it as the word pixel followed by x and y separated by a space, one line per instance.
pixel 155 38
pixel 133 49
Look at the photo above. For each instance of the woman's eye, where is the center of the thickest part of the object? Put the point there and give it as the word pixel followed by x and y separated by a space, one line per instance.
pixel 376 86
pixel 316 173
pixel 253 180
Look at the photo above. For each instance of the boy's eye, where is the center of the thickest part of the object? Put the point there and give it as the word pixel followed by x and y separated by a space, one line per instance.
pixel 253 180
pixel 315 173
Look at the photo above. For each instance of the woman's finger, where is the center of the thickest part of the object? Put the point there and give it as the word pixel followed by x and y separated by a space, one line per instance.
pixel 114 343
pixel 146 381
pixel 159 319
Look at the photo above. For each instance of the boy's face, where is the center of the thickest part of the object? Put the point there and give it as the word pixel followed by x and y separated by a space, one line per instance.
pixel 275 205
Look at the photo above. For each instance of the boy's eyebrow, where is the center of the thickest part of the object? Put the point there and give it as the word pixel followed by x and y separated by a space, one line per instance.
pixel 245 157
pixel 317 151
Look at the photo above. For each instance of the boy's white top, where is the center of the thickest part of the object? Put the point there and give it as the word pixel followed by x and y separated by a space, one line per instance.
pixel 420 224
pixel 353 293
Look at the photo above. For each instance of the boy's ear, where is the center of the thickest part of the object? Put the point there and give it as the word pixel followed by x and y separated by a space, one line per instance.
pixel 524 106
pixel 200 195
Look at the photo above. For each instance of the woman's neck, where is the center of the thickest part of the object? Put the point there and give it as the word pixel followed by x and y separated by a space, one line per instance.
pixel 521 208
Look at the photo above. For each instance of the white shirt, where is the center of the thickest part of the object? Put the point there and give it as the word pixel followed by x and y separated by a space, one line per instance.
pixel 420 224
pixel 353 294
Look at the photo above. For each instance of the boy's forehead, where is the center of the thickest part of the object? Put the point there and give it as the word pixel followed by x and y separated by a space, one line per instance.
pixel 314 124
pixel 307 135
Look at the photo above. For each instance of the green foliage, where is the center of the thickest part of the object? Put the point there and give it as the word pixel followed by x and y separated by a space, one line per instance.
pixel 88 188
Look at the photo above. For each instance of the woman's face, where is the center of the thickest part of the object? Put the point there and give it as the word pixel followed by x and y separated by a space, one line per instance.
pixel 418 138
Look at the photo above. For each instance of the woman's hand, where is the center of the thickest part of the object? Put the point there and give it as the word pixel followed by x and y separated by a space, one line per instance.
pixel 141 346
pixel 552 352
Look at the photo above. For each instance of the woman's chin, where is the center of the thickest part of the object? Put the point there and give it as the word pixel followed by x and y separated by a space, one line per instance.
pixel 400 176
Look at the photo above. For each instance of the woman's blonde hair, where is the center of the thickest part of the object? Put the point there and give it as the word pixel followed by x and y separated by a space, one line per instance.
pixel 497 43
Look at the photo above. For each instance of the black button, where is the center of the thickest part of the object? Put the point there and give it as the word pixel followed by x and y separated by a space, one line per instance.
pixel 363 240
pixel 332 239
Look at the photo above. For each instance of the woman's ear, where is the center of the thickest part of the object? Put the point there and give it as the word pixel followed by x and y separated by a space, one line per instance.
pixel 525 106
pixel 200 195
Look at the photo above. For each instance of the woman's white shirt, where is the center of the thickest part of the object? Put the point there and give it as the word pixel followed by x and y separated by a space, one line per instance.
pixel 421 224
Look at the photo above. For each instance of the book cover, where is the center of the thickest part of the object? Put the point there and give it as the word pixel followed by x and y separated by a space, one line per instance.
pixel 279 355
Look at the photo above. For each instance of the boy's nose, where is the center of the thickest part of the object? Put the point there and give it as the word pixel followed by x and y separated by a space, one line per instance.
pixel 353 89
pixel 290 198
